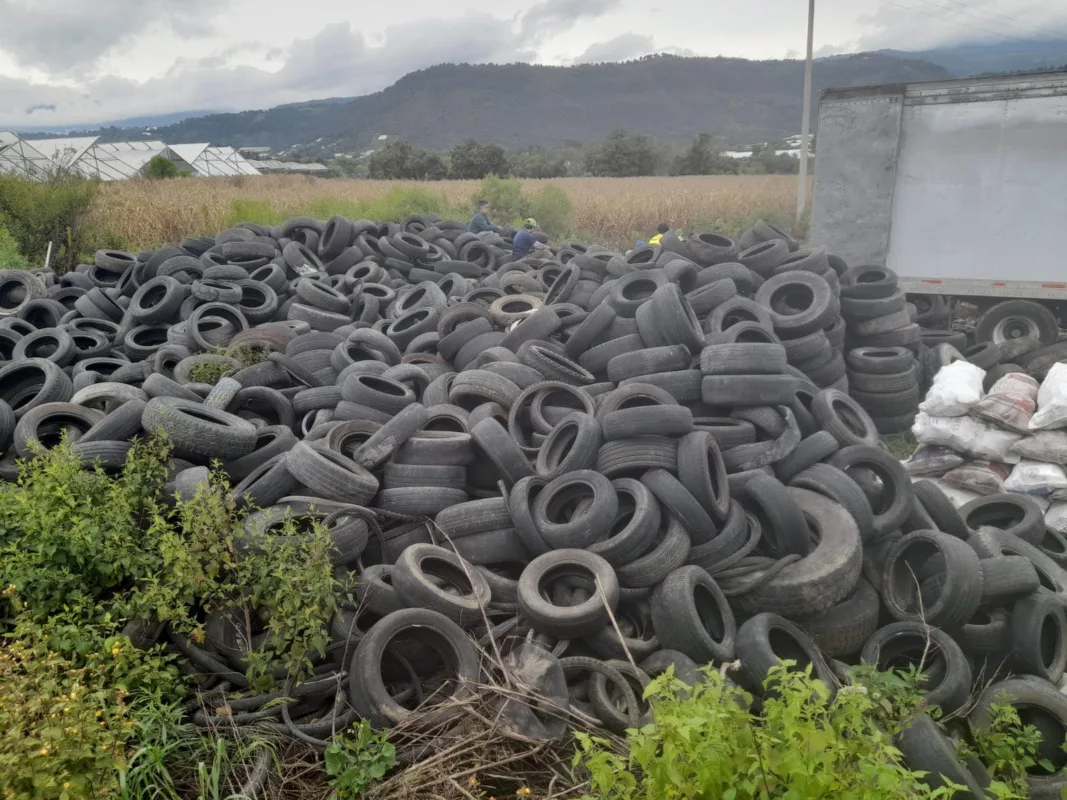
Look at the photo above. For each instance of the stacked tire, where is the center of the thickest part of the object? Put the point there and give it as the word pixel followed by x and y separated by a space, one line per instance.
pixel 883 341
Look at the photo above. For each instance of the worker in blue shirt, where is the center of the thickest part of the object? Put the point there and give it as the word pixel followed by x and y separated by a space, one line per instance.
pixel 480 221
pixel 524 240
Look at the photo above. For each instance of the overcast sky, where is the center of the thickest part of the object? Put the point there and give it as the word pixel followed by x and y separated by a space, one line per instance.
pixel 73 61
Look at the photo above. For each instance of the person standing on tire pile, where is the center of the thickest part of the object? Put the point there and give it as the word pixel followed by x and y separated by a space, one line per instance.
pixel 480 221
pixel 524 240
pixel 661 229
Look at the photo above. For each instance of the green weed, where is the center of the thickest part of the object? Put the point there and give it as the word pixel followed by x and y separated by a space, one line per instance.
pixel 357 760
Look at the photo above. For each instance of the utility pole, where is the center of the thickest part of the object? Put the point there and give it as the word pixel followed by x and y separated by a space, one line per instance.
pixel 805 127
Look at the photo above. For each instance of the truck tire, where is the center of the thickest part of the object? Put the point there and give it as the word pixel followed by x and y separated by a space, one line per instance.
pixel 1013 319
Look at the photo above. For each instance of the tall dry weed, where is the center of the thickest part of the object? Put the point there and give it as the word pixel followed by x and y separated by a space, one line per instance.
pixel 610 210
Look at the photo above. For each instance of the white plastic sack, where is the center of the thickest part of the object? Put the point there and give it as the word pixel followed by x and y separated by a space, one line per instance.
pixel 967 435
pixel 981 476
pixel 1051 400
pixel 1010 403
pixel 1036 478
pixel 959 497
pixel 932 461
pixel 956 389
pixel 1047 446
pixel 1056 517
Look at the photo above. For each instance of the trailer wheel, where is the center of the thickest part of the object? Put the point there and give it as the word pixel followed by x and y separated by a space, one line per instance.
pixel 1013 319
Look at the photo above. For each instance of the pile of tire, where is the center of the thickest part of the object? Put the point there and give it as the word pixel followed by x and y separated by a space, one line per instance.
pixel 883 345
pixel 570 460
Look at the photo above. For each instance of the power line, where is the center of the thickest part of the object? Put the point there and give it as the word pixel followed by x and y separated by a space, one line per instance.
pixel 954 10
pixel 941 17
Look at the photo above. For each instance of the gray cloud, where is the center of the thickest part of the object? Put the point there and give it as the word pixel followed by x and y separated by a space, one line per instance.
pixel 621 48
pixel 335 62
pixel 546 18
pixel 60 35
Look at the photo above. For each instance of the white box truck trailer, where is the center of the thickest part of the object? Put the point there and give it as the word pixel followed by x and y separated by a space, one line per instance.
pixel 958 186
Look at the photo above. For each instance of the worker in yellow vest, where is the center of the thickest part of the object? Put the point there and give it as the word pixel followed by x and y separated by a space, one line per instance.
pixel 661 229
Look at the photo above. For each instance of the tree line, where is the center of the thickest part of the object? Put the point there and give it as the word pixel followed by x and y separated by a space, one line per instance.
pixel 622 154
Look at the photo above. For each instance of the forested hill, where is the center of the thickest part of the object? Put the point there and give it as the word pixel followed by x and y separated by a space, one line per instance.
pixel 668 97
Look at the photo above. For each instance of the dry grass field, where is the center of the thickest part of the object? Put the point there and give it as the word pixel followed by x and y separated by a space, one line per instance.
pixel 609 210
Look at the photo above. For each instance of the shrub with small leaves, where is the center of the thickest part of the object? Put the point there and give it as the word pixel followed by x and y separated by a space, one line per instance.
pixel 707 743
pixel 358 760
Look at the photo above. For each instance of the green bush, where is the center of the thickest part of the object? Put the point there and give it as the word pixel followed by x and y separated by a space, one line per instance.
pixel 510 204
pixel 553 210
pixel 621 155
pixel 507 203
pixel 55 210
pixel 10 257
pixel 161 167
pixel 706 742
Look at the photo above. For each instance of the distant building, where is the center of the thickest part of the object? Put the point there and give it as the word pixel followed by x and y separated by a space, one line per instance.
pixel 254 152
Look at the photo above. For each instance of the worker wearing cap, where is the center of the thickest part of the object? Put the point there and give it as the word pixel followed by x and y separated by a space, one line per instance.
pixel 524 239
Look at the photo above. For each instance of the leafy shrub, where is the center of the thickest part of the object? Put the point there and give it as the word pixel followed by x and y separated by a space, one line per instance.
pixel 54 210
pixel 507 203
pixel 552 209
pixel 355 762
pixel 112 548
pixel 68 722
pixel 161 167
pixel 10 257
pixel 706 743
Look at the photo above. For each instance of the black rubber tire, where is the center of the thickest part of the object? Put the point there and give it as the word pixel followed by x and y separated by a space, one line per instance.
pixel 766 639
pixel 658 420
pixel 842 630
pixel 1013 513
pixel 333 476
pixel 983 354
pixel 835 484
pixel 685 669
pixel 633 457
pixel 635 526
pixel 667 554
pixel 197 431
pixel 1042 319
pixel 927 750
pixel 904 381
pixel 424 574
pixel 747 390
pixel 820 445
pixel 961 586
pixel 941 509
pixel 785 532
pixel 1007 578
pixel 680 504
pixel 880 360
pixel 648 362
pixel 1041 704
pixel 821 579
pixel 573 621
pixel 691 615
pixel 738 359
pixel 668 319
pixel 896 483
pixel 856 308
pixel 844 418
pixel 702 471
pixel 368 692
pixel 1039 637
pixel 572 445
pixel 820 304
pixel 392 435
pixel 912 641
pixel 592 503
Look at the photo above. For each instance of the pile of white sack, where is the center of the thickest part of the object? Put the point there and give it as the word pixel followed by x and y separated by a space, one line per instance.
pixel 1012 438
